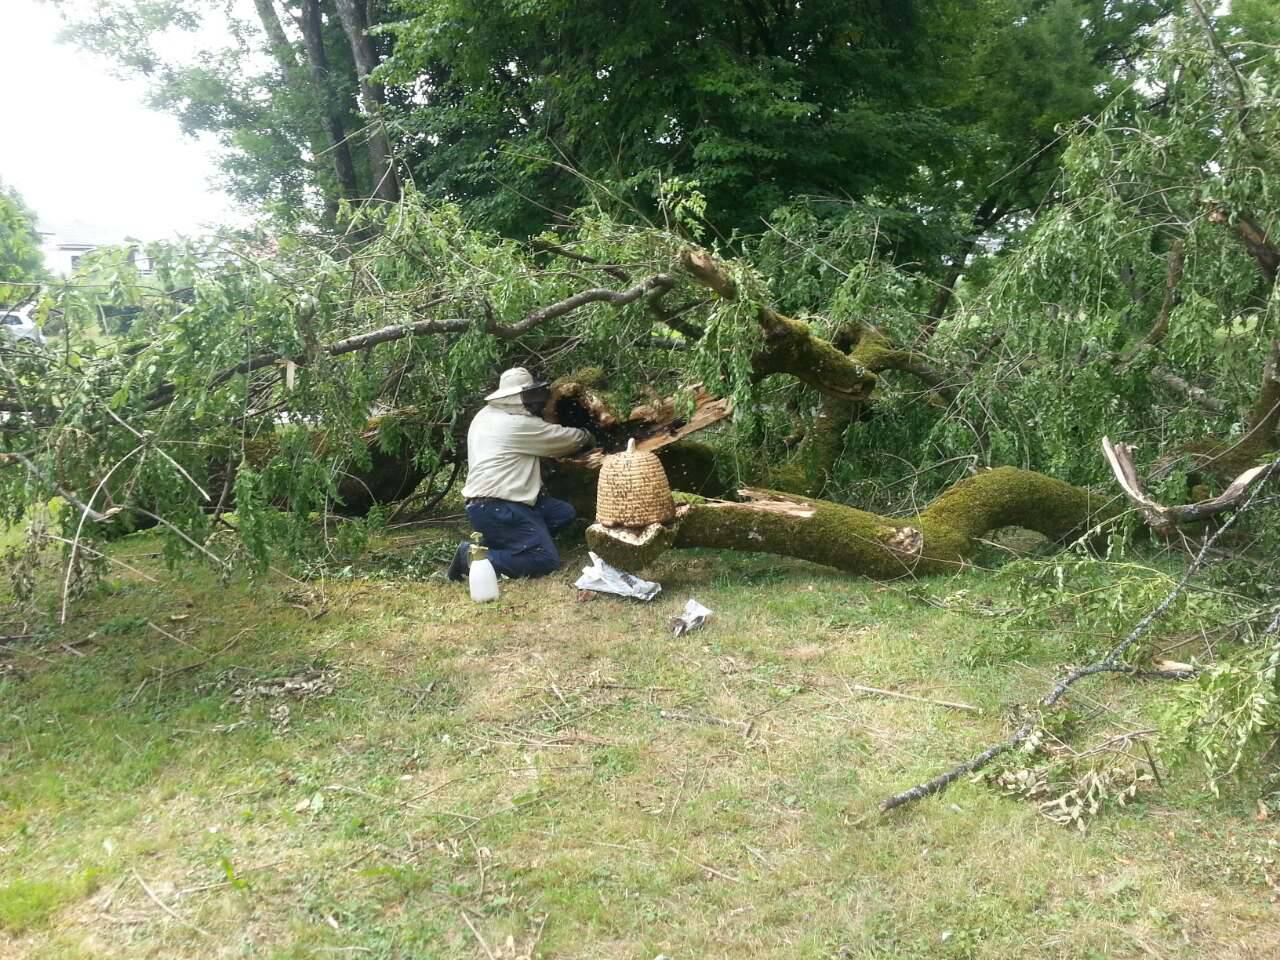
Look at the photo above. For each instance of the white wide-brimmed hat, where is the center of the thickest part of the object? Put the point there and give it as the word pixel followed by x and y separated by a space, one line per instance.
pixel 514 381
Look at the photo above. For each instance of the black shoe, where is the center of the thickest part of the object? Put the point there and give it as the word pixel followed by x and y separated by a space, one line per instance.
pixel 459 566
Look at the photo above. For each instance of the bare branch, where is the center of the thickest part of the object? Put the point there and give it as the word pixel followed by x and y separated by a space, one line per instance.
pixel 1173 277
pixel 1196 395
pixel 364 341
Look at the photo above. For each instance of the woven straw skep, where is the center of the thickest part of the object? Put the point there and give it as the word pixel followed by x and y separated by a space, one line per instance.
pixel 633 490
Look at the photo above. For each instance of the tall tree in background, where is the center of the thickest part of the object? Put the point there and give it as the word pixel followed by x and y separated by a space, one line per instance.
pixel 757 102
pixel 354 15
pixel 1015 77
pixel 315 65
pixel 21 262
pixel 293 134
pixel 941 119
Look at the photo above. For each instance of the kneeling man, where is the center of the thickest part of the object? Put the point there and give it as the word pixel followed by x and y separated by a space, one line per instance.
pixel 503 492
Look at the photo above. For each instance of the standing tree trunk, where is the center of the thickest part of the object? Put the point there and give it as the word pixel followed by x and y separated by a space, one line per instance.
pixel 355 22
pixel 326 139
pixel 310 24
pixel 987 215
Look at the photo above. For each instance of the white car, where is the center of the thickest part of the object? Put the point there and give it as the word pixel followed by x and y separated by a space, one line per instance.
pixel 18 325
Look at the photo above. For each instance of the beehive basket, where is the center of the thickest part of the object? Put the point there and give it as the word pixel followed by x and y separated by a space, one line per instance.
pixel 633 490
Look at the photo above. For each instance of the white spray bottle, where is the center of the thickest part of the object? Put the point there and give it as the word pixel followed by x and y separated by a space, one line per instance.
pixel 482 579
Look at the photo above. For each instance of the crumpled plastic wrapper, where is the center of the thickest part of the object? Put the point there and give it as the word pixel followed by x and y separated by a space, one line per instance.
pixel 694 616
pixel 600 577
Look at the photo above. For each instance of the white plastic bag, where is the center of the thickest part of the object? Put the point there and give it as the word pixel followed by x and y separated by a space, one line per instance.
pixel 694 616
pixel 602 578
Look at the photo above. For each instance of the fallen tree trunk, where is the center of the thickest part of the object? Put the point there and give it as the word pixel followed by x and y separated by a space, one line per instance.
pixel 867 544
pixel 1223 461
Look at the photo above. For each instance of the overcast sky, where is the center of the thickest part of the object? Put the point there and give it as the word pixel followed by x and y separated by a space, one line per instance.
pixel 83 149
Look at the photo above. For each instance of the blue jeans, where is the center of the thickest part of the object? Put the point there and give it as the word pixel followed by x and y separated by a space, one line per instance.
pixel 519 536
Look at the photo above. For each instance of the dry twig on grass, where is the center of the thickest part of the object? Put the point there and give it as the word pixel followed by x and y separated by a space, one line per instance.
pixel 166 908
pixel 859 688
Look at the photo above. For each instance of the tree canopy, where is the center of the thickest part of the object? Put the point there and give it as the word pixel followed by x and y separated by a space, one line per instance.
pixel 21 262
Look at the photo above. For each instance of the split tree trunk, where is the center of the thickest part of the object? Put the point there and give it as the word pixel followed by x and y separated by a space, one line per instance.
pixel 656 427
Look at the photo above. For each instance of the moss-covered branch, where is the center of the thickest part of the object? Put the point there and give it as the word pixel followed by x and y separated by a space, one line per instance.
pixel 792 348
pixel 868 544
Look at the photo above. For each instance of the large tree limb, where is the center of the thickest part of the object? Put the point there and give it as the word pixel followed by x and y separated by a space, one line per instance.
pixel 875 352
pixel 790 346
pixel 937 539
pixel 1164 520
pixel 1197 395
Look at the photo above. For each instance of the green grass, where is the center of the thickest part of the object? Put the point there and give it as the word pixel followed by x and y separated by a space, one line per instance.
pixel 566 779
pixel 25 904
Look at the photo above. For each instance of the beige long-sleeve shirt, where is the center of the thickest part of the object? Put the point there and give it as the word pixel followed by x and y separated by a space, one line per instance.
pixel 503 450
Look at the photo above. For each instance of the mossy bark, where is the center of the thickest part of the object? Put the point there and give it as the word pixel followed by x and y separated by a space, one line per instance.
pixel 868 544
pixel 810 470
pixel 791 348
pixel 845 370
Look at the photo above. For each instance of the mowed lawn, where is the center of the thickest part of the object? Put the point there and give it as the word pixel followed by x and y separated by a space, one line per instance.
pixel 379 768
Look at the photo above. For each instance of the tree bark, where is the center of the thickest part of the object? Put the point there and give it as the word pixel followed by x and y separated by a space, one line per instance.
pixel 281 48
pixel 791 347
pixel 320 142
pixel 1164 520
pixel 1225 460
pixel 311 25
pixel 355 23
pixel 988 213
pixel 1255 239
pixel 1159 329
